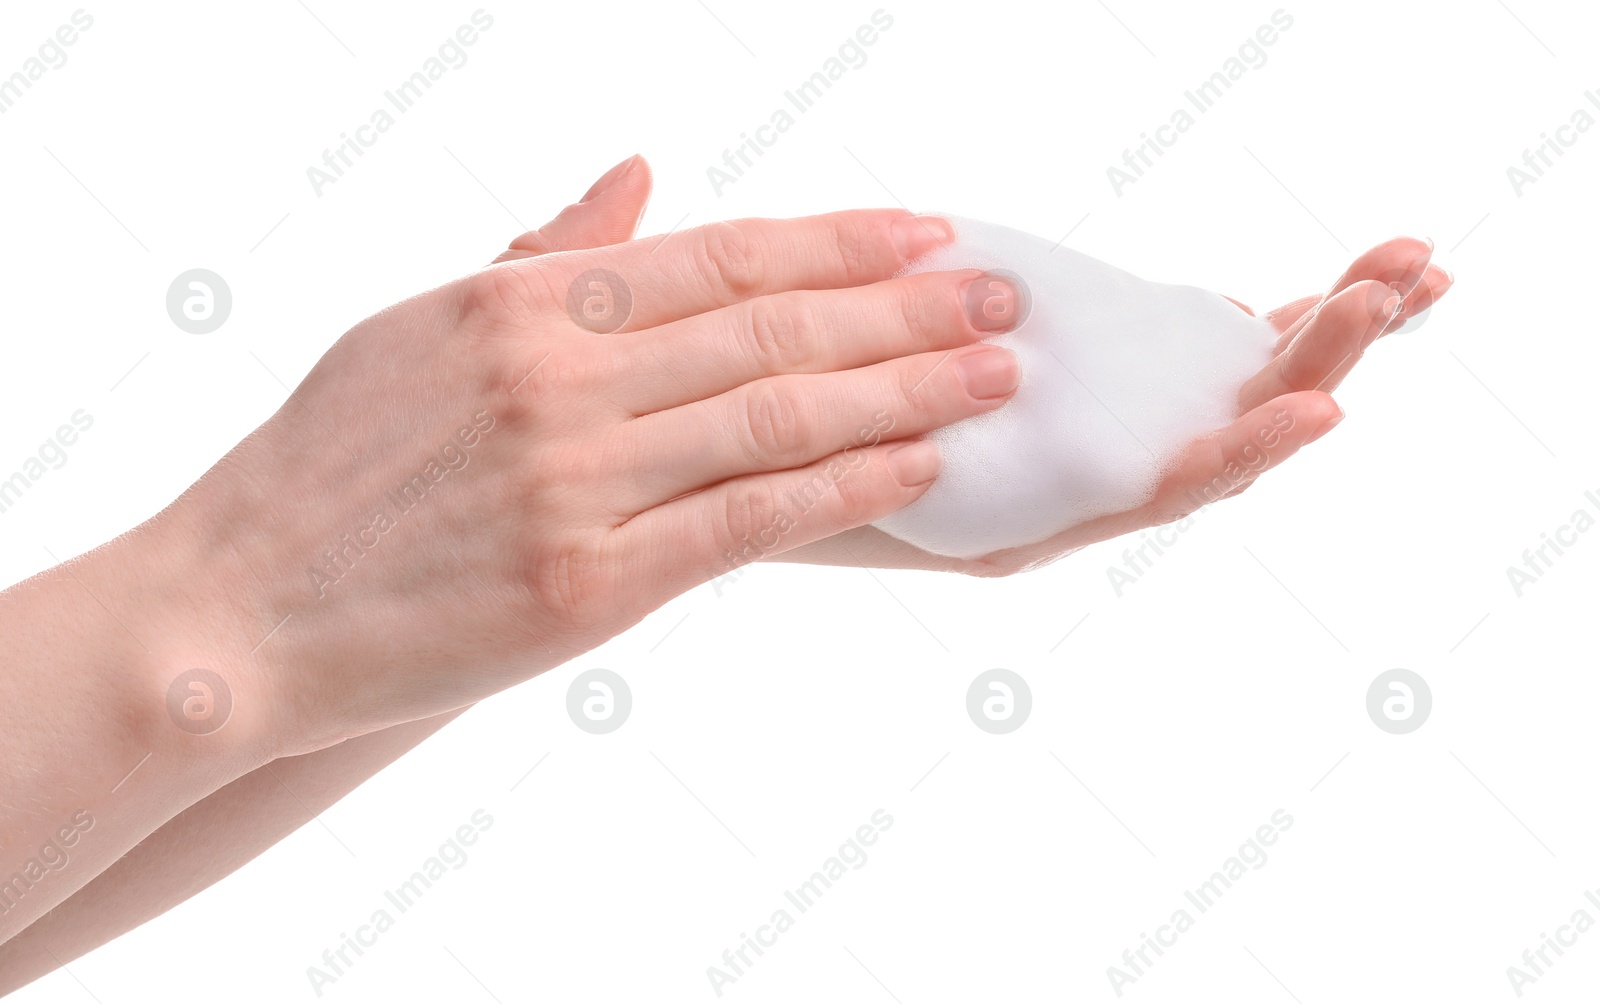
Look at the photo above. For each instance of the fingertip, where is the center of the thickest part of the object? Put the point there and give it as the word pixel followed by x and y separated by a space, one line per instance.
pixel 1405 247
pixel 1302 416
pixel 1330 415
pixel 609 213
pixel 1306 404
pixel 914 464
pixel 1438 279
pixel 616 174
pixel 917 235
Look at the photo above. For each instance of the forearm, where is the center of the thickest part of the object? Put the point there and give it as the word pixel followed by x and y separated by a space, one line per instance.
pixel 202 845
pixel 94 761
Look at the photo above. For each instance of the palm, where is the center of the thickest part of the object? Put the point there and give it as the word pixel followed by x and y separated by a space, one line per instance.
pixel 1320 339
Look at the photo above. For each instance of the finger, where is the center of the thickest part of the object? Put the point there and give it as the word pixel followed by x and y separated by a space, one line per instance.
pixel 789 421
pixel 607 214
pixel 804 331
pixel 698 537
pixel 1285 316
pixel 1435 283
pixel 680 275
pixel 1399 261
pixel 1328 345
pixel 1292 330
pixel 1229 460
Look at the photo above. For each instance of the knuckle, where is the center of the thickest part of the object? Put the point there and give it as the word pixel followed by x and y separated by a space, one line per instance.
pixel 729 258
pixel 510 293
pixel 923 388
pixel 927 309
pixel 751 524
pixel 496 294
pixel 856 249
pixel 539 385
pixel 779 333
pixel 857 499
pixel 569 583
pixel 774 425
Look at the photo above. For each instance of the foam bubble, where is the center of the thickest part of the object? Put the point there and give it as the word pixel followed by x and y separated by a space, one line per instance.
pixel 1119 375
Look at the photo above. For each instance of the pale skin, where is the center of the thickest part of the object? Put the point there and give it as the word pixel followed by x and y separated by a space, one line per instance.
pixel 619 470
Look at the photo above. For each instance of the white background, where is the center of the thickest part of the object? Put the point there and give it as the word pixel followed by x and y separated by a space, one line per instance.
pixel 772 717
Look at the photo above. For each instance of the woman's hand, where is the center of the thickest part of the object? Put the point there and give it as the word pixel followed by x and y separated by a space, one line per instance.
pixel 1283 408
pixel 490 478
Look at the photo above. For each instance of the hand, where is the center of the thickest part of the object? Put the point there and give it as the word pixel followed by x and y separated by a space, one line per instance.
pixel 1282 408
pixel 473 486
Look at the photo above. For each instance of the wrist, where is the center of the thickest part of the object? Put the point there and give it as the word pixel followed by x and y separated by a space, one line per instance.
pixel 200 690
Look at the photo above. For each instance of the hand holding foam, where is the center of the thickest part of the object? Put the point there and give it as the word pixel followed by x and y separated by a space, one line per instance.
pixel 1120 377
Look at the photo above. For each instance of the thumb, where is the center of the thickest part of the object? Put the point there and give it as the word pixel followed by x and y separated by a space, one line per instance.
pixel 607 214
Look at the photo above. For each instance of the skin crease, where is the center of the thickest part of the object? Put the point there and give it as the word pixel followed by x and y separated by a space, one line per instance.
pixel 266 778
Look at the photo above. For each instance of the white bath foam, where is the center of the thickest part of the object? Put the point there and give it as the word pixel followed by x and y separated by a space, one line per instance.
pixel 1119 375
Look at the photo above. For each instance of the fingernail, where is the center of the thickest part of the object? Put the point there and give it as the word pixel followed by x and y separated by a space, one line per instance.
pixel 1326 427
pixel 1416 272
pixel 915 236
pixel 608 179
pixel 992 303
pixel 988 371
pixel 914 463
